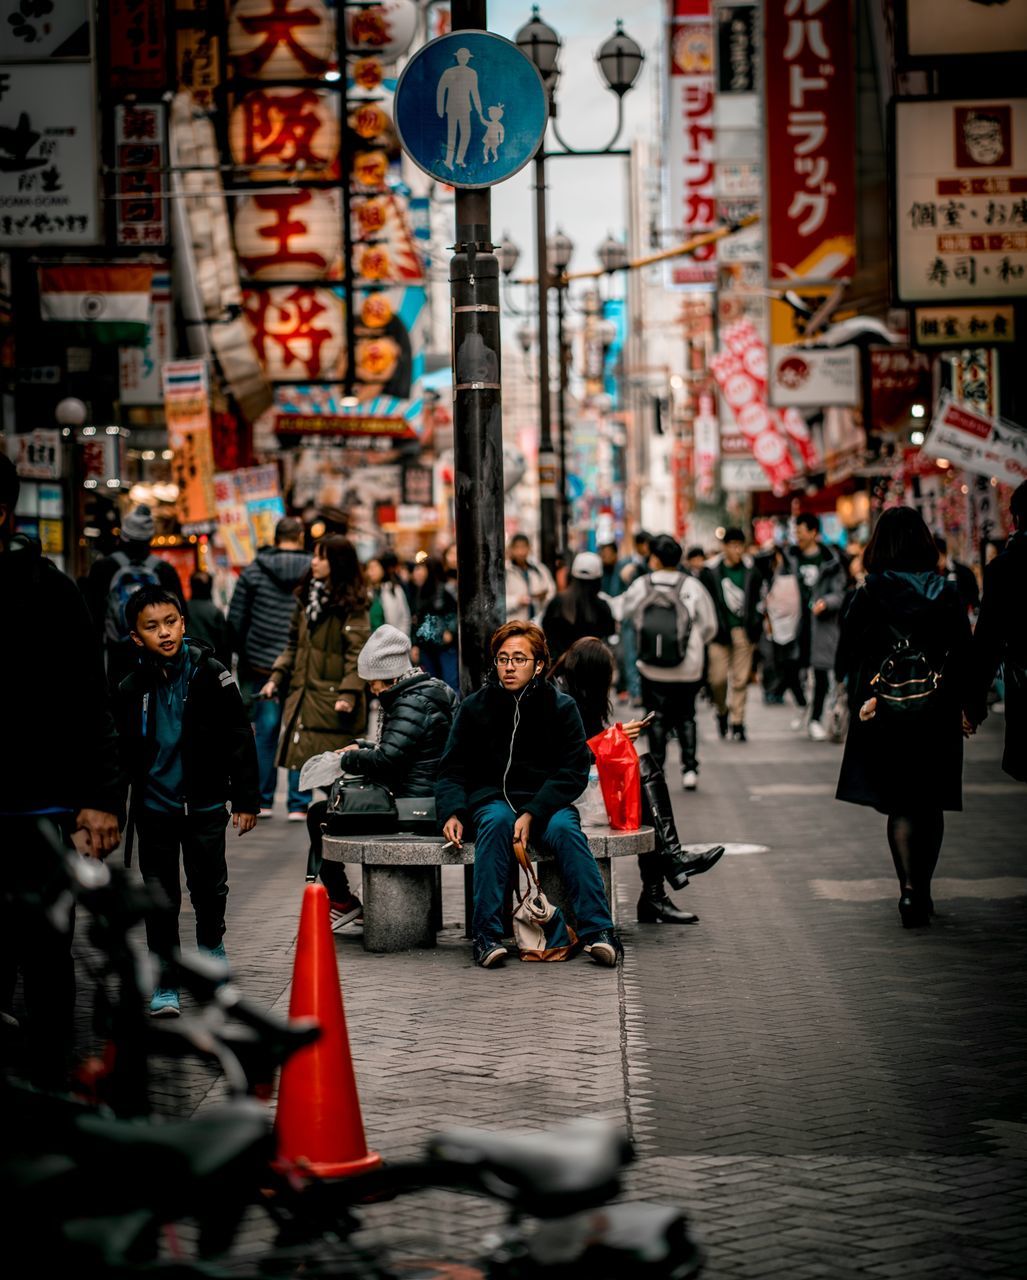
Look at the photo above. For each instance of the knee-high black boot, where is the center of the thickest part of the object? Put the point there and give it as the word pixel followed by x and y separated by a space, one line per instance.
pixel 688 738
pixel 677 865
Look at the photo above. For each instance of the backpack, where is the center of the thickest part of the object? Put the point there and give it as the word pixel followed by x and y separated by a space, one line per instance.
pixel 664 625
pixel 906 680
pixel 127 580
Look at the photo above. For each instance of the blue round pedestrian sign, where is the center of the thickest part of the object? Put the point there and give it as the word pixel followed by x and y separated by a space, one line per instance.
pixel 470 109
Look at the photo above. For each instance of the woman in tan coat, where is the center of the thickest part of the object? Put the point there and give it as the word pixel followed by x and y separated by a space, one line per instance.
pixel 325 698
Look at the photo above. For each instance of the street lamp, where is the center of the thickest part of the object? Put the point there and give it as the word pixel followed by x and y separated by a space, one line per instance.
pixel 508 255
pixel 620 61
pixel 612 255
pixel 559 251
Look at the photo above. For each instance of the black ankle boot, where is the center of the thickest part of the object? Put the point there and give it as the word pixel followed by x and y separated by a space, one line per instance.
pixel 654 907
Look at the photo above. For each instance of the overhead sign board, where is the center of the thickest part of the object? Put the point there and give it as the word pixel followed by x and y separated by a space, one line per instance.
pixel 470 109
pixel 978 442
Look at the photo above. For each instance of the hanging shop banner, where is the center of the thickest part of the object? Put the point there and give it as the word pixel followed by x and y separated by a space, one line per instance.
pixel 813 377
pixel 740 371
pixel 37 454
pixel 953 326
pixel 141 150
pixel 249 505
pixel 48 161
pixel 737 44
pixel 198 65
pixel 136 49
pixel 960 185
pixel 689 142
pixel 139 368
pixel 34 31
pixel 281 39
pixel 281 132
pixel 809 105
pixel 187 413
pixel 978 442
pixel 899 378
pixel 706 446
pixel 292 235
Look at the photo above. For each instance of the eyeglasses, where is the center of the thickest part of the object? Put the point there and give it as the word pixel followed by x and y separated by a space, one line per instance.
pixel 515 660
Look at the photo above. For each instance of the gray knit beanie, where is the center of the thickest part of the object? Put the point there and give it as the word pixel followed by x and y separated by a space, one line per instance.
pixel 138 526
pixel 386 656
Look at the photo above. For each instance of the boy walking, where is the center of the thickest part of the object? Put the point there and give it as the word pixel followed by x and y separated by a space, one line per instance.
pixel 187 749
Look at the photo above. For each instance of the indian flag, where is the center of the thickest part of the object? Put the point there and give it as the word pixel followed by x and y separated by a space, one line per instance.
pixel 99 304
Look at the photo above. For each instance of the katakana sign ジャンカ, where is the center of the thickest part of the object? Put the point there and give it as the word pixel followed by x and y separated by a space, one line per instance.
pixel 470 109
pixel 690 139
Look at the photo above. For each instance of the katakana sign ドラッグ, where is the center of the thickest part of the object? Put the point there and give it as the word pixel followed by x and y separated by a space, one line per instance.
pixel 48 163
pixel 809 99
pixel 960 212
pixel 470 109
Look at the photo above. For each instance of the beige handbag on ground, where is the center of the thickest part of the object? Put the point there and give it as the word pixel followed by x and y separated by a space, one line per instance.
pixel 540 930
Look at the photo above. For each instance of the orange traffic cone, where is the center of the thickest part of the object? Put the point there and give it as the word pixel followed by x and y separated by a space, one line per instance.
pixel 318 1124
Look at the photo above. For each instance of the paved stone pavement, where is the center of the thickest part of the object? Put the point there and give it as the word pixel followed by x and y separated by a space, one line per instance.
pixel 826 1094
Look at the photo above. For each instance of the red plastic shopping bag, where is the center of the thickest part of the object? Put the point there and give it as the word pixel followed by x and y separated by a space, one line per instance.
pixel 619 779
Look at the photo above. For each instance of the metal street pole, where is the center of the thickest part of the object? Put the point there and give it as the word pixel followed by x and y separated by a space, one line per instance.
pixel 547 485
pixel 477 415
pixel 564 512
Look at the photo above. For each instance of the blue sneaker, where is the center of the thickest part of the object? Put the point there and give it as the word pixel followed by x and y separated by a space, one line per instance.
pixel 165 1003
pixel 214 953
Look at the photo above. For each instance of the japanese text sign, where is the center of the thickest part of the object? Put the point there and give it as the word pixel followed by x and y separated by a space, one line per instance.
pixel 809 97
pixel 690 136
pixel 48 168
pixel 961 200
pixel 137 50
pixel 187 412
pixel 141 150
pixel 977 442
pixel 954 326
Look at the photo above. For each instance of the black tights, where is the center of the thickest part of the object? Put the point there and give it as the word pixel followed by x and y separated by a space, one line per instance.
pixel 915 843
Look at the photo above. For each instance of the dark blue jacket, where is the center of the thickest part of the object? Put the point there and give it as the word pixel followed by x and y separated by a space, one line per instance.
pixel 262 606
pixel 531 746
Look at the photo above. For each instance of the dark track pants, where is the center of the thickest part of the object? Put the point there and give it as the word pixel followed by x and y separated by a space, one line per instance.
pixel 201 839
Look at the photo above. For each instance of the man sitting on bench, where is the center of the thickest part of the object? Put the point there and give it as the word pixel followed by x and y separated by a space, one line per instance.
pixel 515 763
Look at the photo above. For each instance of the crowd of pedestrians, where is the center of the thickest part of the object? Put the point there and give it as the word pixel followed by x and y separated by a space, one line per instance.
pixel 191 713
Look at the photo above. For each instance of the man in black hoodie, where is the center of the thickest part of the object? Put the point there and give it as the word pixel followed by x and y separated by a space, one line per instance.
pixel 58 774
pixel 259 616
pixel 1001 636
pixel 515 763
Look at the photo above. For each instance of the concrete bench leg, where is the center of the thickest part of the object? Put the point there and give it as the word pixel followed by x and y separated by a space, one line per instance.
pixel 553 887
pixel 399 908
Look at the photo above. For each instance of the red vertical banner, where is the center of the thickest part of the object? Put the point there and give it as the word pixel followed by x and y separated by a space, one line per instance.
pixel 137 49
pixel 810 113
pixel 690 138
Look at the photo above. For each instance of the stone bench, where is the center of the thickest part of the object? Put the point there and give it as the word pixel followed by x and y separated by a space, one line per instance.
pixel 401 877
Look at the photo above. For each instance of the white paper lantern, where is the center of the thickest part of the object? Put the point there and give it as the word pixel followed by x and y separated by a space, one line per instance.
pixel 295 235
pixel 299 333
pixel 386 29
pixel 281 39
pixel 282 131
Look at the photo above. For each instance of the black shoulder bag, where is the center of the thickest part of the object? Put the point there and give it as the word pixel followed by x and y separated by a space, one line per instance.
pixel 357 807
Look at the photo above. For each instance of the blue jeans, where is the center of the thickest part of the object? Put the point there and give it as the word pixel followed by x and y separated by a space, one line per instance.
pixel 562 837
pixel 266 716
pixel 628 650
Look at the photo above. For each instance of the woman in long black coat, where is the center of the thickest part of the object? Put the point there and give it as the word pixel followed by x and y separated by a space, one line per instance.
pixel 904 758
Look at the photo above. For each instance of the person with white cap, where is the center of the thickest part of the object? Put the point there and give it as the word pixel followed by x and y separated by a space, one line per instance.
pixel 416 714
pixel 114 578
pixel 580 610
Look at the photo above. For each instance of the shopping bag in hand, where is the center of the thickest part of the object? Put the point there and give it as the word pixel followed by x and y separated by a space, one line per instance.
pixel 617 762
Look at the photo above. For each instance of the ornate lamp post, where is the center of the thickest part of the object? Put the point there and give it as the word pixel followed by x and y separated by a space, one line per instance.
pixel 620 61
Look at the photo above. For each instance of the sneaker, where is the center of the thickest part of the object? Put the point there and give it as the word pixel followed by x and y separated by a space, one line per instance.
pixel 817 731
pixel 213 953
pixel 689 779
pixel 345 912
pixel 738 733
pixel 796 724
pixel 165 1003
pixel 605 948
pixel 488 953
pixel 722 725
pixel 265 813
pixel 298 815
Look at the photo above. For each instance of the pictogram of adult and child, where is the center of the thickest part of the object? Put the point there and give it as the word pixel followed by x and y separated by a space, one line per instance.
pixel 457 93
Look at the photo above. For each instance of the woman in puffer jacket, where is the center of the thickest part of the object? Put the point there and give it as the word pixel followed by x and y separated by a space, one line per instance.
pixel 417 711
